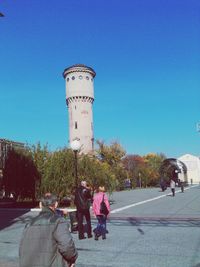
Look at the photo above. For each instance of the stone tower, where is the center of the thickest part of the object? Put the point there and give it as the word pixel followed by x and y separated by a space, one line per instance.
pixel 79 98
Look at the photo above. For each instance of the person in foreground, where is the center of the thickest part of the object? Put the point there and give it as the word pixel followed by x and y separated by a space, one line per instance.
pixel 46 240
pixel 82 201
pixel 100 230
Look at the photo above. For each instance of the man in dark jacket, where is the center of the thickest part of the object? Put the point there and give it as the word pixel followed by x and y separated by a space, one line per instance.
pixel 46 239
pixel 82 201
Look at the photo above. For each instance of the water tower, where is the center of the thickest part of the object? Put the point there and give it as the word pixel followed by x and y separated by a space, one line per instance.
pixel 79 99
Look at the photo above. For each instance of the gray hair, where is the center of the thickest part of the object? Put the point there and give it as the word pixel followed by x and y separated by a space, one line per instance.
pixel 84 183
pixel 49 200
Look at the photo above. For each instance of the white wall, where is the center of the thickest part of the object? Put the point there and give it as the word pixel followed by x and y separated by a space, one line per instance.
pixel 193 167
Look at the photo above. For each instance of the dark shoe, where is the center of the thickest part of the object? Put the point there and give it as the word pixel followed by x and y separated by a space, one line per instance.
pixel 96 237
pixel 82 237
pixel 103 237
pixel 90 236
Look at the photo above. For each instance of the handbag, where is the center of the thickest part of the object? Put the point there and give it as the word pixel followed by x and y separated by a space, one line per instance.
pixel 103 208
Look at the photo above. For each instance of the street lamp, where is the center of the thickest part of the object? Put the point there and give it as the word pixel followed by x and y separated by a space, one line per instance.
pixel 75 146
pixel 140 181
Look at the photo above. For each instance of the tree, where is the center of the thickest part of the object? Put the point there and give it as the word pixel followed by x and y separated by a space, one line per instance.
pixel 112 155
pixel 96 173
pixel 153 163
pixel 134 165
pixel 40 156
pixel 20 174
pixel 58 176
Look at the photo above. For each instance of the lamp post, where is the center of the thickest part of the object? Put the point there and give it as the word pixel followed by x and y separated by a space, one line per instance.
pixel 75 146
pixel 140 181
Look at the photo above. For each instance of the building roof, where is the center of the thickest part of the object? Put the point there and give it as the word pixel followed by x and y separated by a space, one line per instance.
pixel 10 142
pixel 79 67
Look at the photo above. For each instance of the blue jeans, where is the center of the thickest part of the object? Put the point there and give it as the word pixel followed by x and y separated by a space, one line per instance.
pixel 101 225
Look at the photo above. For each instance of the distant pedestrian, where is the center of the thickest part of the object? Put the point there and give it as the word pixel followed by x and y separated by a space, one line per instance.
pixel 163 185
pixel 46 240
pixel 172 186
pixel 100 230
pixel 82 201
pixel 181 184
pixel 182 187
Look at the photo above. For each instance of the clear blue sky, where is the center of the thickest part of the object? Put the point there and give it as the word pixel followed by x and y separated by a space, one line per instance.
pixel 146 55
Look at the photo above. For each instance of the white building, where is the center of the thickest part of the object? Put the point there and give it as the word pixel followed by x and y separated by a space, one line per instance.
pixel 193 168
pixel 79 98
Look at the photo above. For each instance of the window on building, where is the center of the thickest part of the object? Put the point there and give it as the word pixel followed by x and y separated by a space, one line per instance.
pixel 73 78
pixel 76 126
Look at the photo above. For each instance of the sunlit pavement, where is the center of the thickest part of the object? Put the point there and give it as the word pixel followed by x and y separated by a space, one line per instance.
pixel 146 228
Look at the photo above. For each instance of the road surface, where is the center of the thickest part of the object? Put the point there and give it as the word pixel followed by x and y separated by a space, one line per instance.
pixel 147 228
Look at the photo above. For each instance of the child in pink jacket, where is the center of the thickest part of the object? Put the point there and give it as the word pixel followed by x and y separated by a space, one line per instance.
pixel 100 230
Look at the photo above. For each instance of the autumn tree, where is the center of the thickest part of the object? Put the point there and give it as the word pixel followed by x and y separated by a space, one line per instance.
pixel 112 155
pixel 153 163
pixel 134 165
pixel 96 173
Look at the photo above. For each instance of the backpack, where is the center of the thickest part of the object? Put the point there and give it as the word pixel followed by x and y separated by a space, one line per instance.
pixel 103 208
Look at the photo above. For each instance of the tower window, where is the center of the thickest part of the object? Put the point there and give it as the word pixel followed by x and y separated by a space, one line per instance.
pixel 67 79
pixel 87 78
pixel 76 126
pixel 73 78
pixel 80 77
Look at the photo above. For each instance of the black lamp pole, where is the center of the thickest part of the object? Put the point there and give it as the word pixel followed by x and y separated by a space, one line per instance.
pixel 75 146
pixel 76 167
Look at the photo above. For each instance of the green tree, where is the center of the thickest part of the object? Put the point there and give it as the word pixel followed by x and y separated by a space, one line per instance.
pixel 40 156
pixel 58 176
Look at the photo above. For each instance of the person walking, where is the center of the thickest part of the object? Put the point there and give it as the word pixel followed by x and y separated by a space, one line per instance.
pixel 82 201
pixel 182 187
pixel 46 240
pixel 100 230
pixel 172 186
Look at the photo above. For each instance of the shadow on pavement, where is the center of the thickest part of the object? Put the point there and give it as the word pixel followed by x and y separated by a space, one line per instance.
pixel 11 216
pixel 155 221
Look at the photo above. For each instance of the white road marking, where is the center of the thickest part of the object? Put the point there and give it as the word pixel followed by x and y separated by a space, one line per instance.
pixel 148 200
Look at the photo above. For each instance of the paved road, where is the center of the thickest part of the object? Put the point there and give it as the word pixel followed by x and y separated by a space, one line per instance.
pixel 146 228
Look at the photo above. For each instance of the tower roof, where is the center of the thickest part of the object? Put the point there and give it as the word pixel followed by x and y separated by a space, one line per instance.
pixel 79 67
